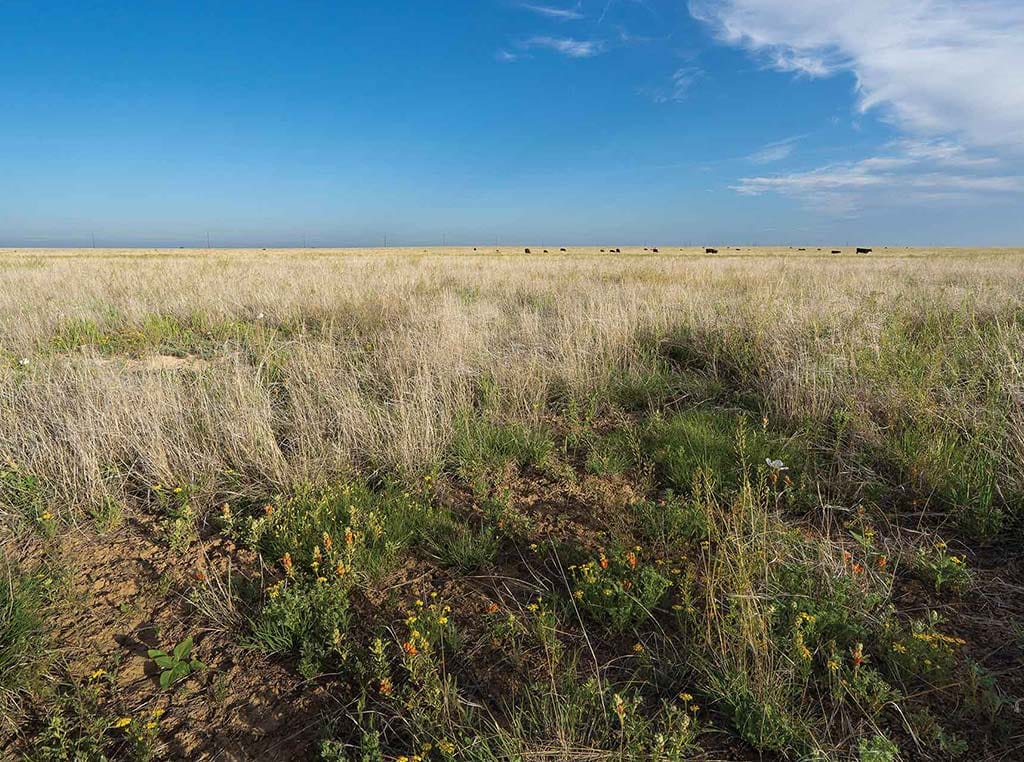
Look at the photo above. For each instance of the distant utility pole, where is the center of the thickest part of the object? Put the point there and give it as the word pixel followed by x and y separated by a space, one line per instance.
pixel 385 240
pixel 207 240
pixel 93 240
pixel 303 240
pixel 444 240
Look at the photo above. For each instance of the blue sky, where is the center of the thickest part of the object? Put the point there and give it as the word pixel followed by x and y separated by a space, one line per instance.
pixel 475 121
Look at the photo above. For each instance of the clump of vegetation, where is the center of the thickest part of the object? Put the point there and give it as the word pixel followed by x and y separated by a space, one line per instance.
pixel 176 664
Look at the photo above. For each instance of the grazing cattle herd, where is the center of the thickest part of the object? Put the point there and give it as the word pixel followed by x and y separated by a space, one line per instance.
pixel 707 250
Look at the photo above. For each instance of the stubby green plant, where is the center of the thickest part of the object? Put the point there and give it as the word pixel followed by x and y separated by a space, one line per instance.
pixel 176 665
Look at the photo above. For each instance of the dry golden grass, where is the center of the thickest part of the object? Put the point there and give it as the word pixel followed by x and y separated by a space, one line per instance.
pixel 379 351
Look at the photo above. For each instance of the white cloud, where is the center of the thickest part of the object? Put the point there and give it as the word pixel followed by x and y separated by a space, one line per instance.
pixel 505 56
pixel 564 14
pixel 934 67
pixel 912 171
pixel 567 46
pixel 777 151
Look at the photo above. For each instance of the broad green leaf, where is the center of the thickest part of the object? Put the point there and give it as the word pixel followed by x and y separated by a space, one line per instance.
pixel 183 649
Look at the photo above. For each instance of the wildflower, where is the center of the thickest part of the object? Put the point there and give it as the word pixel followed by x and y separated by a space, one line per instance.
pixel 858 569
pixel 225 511
pixel 268 510
pixel 340 569
pixel 178 490
pixel 631 559
pixel 882 562
pixel 533 607
pixel 442 620
pixel 286 561
pixel 97 674
pixel 446 746
pixel 492 608
pixel 638 648
pixel 23 361
pixel 327 542
pixel 385 686
pixel 349 536
pixel 46 516
pixel 776 465
pixel 123 722
pixel 685 697
pixel 604 561
pixel 533 547
pixel 410 648
pixel 200 577
pixel 150 725
pixel 321 580
pixel 857 652
pixel 620 706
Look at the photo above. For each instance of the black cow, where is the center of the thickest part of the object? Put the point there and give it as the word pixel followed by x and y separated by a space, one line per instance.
pixel 863 251
pixel 655 251
pixel 561 249
pixel 527 251
pixel 710 251
pixel 836 251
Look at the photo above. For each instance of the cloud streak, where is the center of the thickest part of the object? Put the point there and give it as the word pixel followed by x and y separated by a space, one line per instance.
pixel 777 151
pixel 933 67
pixel 912 171
pixel 552 12
pixel 680 83
pixel 566 46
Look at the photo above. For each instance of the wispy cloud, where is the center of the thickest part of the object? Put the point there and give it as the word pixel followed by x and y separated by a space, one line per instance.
pixel 933 67
pixel 553 12
pixel 910 172
pixel 777 151
pixel 566 46
pixel 506 56
pixel 678 87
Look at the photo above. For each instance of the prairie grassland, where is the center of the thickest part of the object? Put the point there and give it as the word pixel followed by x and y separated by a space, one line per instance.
pixel 479 505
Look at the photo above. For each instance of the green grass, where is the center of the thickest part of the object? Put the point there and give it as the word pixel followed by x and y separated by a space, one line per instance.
pixel 22 641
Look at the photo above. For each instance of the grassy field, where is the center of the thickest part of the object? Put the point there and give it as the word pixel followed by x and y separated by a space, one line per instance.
pixel 477 504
